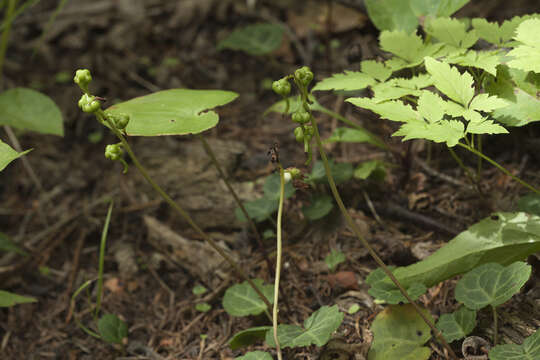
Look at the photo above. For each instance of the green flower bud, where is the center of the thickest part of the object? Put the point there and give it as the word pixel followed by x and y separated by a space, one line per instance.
pixel 282 87
pixel 120 120
pixel 299 134
pixel 303 75
pixel 309 131
pixel 293 173
pixel 89 104
pixel 301 117
pixel 114 151
pixel 83 79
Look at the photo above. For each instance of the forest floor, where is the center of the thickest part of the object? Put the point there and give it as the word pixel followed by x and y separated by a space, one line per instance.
pixel 136 47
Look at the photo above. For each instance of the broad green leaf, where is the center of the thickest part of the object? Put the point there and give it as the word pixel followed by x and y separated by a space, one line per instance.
pixel 458 87
pixel 502 238
pixel 258 210
pixel 317 329
pixel 519 112
pixel 458 324
pixel 529 203
pixel 409 47
pixel 255 355
pixel 448 131
pixel 272 185
pixel 320 206
pixel 112 329
pixel 173 112
pixel 341 172
pixel 436 8
pixel 345 134
pixel 529 350
pixel 392 15
pixel 527 55
pixel 487 103
pixel 376 69
pixel 485 127
pixel 349 80
pixel 399 333
pixel 391 110
pixel 242 300
pixel 203 307
pixel 199 290
pixel 333 259
pixel 8 299
pixel 258 39
pixel 399 87
pixel 387 292
pixel 353 309
pixel 451 31
pixel 429 106
pixel 499 34
pixel 7 245
pixel 7 154
pixel 373 168
pixel 28 109
pixel 491 284
pixel 485 60
pixel 248 337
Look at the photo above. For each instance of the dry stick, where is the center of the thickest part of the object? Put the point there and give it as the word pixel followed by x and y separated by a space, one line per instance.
pixel 104 119
pixel 364 242
pixel 213 158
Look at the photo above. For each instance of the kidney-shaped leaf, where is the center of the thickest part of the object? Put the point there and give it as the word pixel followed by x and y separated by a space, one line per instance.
pixel 7 154
pixel 458 324
pixel 529 350
pixel 173 112
pixel 242 300
pixel 28 109
pixel 317 329
pixel 491 284
pixel 9 299
pixel 112 329
pixel 399 333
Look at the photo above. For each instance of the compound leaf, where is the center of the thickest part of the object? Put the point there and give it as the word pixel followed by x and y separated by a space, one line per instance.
pixel 28 109
pixel 408 47
pixel 349 80
pixel 487 103
pixel 376 69
pixel 173 112
pixel 429 106
pixel 458 87
pixel 485 60
pixel 529 350
pixel 399 333
pixel 491 284
pixel 7 154
pixel 317 329
pixel 527 54
pixel 458 324
pixel 448 131
pixel 391 110
pixel 485 127
pixel 242 300
pixel 451 31
pixel 257 39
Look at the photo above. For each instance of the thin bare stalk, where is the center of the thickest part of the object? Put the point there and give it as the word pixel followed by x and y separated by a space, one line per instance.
pixel 500 167
pixel 17 146
pixel 215 162
pixel 354 227
pixel 495 336
pixel 461 165
pixel 100 114
pixel 278 260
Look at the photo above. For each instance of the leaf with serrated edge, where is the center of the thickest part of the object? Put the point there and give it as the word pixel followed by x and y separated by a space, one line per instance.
pixel 486 103
pixel 491 284
pixel 485 127
pixel 458 324
pixel 375 69
pixel 485 60
pixel 529 350
pixel 526 56
pixel 399 333
pixel 508 27
pixel 349 80
pixel 491 32
pixel 522 111
pixel 430 106
pixel 458 87
pixel 391 110
pixel 401 44
pixel 317 329
pixel 448 131
pixel 451 31
pixel 242 300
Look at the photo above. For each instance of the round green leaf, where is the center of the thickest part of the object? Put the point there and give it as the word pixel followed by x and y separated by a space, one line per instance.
pixel 320 206
pixel 258 210
pixel 399 333
pixel 8 299
pixel 458 324
pixel 199 290
pixel 272 185
pixel 529 350
pixel 203 307
pixel 258 39
pixel 7 154
pixel 248 337
pixel 491 284
pixel 242 300
pixel 112 329
pixel 27 109
pixel 173 112
pixel 383 290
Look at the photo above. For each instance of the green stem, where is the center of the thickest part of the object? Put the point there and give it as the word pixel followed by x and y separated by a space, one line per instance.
pixel 495 336
pixel 496 164
pixel 215 162
pixel 479 166
pixel 8 18
pixel 103 119
pixel 101 265
pixel 354 227
pixel 462 165
pixel 278 260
